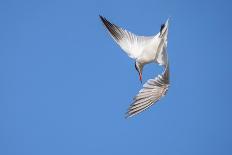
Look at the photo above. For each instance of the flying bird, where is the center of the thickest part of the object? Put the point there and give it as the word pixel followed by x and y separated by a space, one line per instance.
pixel 144 50
pixel 152 92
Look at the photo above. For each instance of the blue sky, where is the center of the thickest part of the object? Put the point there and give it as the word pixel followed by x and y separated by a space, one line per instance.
pixel 65 85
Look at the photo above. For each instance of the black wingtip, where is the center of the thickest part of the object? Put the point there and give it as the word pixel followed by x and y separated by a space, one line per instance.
pixel 112 28
pixel 101 17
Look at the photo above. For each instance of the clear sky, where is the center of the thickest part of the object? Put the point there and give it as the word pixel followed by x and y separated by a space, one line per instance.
pixel 65 85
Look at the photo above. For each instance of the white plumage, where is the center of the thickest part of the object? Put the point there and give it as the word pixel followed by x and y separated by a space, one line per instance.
pixel 144 50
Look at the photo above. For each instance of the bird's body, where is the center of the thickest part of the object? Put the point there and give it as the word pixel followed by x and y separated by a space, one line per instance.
pixel 149 52
pixel 144 50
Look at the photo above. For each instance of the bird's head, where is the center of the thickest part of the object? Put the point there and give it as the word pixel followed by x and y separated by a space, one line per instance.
pixel 139 68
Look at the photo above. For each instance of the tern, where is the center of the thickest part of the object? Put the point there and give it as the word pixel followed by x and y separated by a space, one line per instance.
pixel 144 50
pixel 152 92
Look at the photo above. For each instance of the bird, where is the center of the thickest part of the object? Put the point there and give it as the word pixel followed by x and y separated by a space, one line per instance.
pixel 152 92
pixel 144 50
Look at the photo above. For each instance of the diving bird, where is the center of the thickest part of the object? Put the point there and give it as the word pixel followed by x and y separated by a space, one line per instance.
pixel 144 50
pixel 152 92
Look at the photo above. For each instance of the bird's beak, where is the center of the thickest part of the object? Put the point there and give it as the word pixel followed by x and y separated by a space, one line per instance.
pixel 140 77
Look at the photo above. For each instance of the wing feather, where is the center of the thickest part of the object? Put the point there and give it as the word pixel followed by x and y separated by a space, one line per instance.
pixel 132 44
pixel 152 91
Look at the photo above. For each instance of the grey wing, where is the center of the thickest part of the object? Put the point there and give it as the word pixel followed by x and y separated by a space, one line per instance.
pixel 129 42
pixel 152 91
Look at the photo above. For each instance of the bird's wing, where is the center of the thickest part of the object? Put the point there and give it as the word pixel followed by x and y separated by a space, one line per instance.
pixel 161 57
pixel 129 42
pixel 152 91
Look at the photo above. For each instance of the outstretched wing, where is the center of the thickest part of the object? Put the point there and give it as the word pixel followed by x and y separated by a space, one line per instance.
pixel 152 91
pixel 129 42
